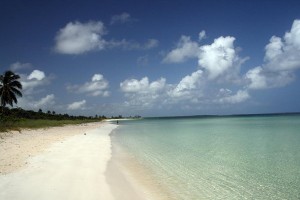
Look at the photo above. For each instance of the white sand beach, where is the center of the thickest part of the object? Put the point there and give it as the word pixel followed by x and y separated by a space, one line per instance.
pixel 61 163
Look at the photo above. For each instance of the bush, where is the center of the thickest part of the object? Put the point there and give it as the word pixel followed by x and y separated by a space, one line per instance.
pixel 7 122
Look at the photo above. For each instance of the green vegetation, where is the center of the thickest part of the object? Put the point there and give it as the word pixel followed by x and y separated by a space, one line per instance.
pixel 17 118
pixel 9 88
pixel 43 123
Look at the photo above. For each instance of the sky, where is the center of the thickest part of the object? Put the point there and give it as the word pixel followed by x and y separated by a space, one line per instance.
pixel 153 58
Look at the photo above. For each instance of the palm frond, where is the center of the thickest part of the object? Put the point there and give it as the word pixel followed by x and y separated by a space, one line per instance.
pixel 17 92
pixel 16 84
pixel 9 88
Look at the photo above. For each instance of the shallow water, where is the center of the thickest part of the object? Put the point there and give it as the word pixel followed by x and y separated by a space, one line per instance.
pixel 217 158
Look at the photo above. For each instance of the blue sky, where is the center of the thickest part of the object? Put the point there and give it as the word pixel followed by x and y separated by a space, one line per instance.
pixel 154 58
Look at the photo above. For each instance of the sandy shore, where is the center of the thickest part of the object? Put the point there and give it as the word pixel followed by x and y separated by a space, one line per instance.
pixel 16 148
pixel 65 163
pixel 71 162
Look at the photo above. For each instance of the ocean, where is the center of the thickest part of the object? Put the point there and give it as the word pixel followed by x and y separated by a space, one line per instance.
pixel 232 157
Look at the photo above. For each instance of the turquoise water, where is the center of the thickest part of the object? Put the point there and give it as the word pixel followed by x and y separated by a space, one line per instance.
pixel 218 158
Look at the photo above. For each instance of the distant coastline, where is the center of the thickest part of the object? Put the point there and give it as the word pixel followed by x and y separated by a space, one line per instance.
pixel 229 115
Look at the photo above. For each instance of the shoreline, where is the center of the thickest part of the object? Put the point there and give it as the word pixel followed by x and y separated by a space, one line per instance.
pixel 117 176
pixel 71 165
pixel 69 162
pixel 131 177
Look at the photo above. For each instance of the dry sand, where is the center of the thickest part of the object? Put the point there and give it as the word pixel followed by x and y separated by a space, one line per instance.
pixel 64 163
pixel 71 164
pixel 16 148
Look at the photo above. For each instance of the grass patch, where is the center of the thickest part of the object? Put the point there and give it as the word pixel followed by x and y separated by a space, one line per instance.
pixel 39 123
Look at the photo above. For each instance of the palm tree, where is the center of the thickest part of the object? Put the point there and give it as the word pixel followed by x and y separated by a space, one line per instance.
pixel 9 88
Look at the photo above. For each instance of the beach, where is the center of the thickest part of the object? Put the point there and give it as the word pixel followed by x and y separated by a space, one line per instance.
pixel 67 162
pixel 155 159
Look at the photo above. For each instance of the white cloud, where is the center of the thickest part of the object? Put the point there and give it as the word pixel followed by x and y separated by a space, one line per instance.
pixel 157 85
pixel 142 92
pixel 35 79
pixel 188 87
pixel 17 66
pixel 134 85
pixel 96 87
pixel 32 86
pixel 122 18
pixel 240 96
pixel 45 101
pixel 259 78
pixel 97 77
pixel 36 74
pixel 218 61
pixel 78 105
pixel 78 38
pixel 184 50
pixel 281 60
pixel 256 78
pixel 202 35
pixel 142 86
pixel 274 48
pixel 292 37
pixel 283 54
pixel 28 102
pixel 219 57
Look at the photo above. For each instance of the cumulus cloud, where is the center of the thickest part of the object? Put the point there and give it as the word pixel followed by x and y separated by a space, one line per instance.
pixel 274 48
pixel 281 60
pixel 283 53
pixel 194 90
pixel 142 86
pixel 45 101
pixel 33 85
pixel 96 87
pixel 240 96
pixel 36 74
pixel 35 79
pixel 122 18
pixel 188 86
pixel 260 78
pixel 134 85
pixel 184 50
pixel 143 92
pixel 220 57
pixel 28 102
pixel 257 80
pixel 218 60
pixel 77 105
pixel 78 38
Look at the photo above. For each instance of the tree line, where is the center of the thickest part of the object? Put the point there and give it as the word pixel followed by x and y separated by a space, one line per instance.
pixel 20 113
pixel 10 89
